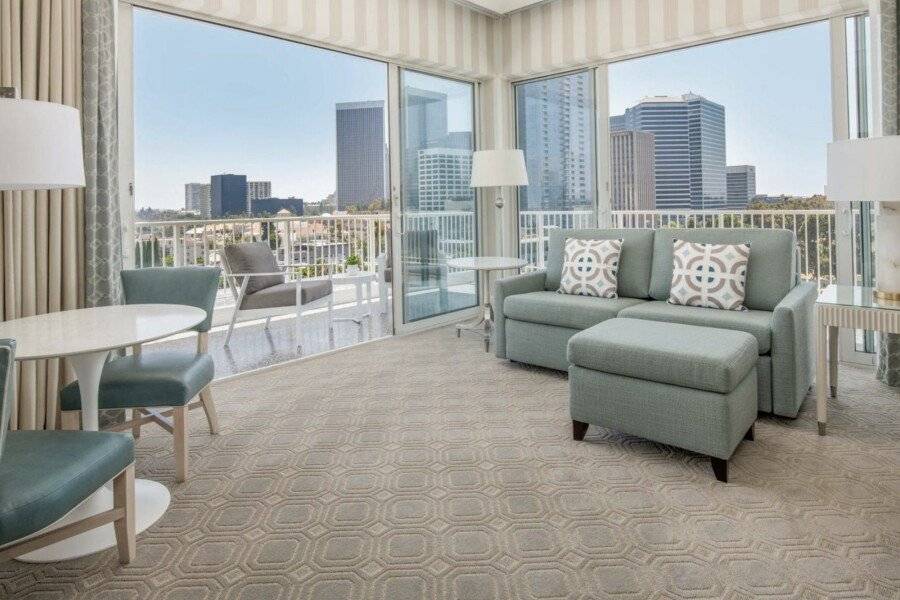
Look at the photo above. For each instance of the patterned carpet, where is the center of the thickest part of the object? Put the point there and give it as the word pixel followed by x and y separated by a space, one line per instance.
pixel 421 467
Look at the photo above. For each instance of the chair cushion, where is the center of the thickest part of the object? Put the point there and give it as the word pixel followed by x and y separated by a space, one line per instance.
pixel 757 323
pixel 771 272
pixel 285 294
pixel 635 260
pixel 151 379
pixel 564 310
pixel 253 257
pixel 699 358
pixel 45 474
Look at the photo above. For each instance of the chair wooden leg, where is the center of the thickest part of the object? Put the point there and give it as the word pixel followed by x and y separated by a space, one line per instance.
pixel 123 497
pixel 209 408
pixel 750 434
pixel 181 447
pixel 70 420
pixel 136 425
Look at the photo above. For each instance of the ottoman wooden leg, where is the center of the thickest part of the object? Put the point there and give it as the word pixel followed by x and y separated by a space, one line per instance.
pixel 720 468
pixel 749 435
pixel 578 430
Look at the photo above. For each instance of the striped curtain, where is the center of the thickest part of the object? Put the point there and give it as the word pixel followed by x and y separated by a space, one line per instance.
pixel 41 233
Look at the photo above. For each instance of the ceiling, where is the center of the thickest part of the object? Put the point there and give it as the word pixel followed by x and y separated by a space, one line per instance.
pixel 501 7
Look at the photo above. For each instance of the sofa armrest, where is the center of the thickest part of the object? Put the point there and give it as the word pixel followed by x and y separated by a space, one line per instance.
pixel 510 286
pixel 792 348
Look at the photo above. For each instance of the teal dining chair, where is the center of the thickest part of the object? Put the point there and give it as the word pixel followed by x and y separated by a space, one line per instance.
pixel 45 474
pixel 159 387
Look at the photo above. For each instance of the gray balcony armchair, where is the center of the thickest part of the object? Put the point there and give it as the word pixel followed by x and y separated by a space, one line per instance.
pixel 45 474
pixel 261 288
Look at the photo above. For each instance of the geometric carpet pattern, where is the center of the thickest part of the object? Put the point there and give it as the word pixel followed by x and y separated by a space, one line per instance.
pixel 421 467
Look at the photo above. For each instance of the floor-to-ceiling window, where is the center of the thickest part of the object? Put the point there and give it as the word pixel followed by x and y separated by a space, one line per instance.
pixel 437 124
pixel 243 137
pixel 555 127
pixel 728 134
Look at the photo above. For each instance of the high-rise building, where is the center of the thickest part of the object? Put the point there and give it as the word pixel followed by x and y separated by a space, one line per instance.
pixel 631 165
pixel 228 195
pixel 424 127
pixel 557 137
pixel 257 190
pixel 360 153
pixel 689 150
pixel 444 178
pixel 197 198
pixel 741 184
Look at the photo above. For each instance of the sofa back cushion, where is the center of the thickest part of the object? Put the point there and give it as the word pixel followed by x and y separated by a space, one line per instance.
pixel 634 262
pixel 770 274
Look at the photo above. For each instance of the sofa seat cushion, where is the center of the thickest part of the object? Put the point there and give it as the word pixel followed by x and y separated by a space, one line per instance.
pixel 564 310
pixel 285 294
pixel 757 323
pixel 150 379
pixel 45 474
pixel 700 358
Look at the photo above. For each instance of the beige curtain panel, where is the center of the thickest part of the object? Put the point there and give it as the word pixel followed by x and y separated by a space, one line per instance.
pixel 41 233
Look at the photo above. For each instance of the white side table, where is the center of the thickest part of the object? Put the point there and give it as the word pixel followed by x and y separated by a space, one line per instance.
pixel 360 279
pixel 852 307
pixel 485 266
pixel 85 337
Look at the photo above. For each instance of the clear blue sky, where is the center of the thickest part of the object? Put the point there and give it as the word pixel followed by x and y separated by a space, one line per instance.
pixel 209 99
pixel 776 89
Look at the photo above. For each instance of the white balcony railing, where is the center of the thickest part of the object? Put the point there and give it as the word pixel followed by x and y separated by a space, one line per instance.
pixel 312 245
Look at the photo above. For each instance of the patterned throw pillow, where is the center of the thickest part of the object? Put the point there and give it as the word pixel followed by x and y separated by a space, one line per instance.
pixel 709 275
pixel 590 268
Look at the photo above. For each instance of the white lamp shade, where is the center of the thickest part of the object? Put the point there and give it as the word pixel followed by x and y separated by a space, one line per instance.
pixel 864 170
pixel 495 168
pixel 40 146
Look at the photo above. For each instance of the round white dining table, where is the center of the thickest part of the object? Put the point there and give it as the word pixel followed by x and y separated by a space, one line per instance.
pixel 85 337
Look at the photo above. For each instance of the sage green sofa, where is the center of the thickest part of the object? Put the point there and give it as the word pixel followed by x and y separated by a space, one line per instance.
pixel 533 323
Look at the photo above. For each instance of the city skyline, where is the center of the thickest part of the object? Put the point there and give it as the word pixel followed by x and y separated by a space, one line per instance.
pixel 291 157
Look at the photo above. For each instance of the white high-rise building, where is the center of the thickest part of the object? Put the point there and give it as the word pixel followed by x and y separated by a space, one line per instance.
pixel 197 198
pixel 444 177
pixel 257 190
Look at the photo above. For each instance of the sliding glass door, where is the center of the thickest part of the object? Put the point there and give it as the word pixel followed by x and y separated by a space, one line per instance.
pixel 438 221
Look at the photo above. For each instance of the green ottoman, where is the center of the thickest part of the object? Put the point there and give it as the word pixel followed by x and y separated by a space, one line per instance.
pixel 683 385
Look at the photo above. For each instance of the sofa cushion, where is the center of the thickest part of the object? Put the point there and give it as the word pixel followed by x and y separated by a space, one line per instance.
pixel 285 294
pixel 590 268
pixel 635 260
pixel 770 275
pixel 564 310
pixel 45 474
pixel 700 358
pixel 757 323
pixel 253 257
pixel 149 379
pixel 709 275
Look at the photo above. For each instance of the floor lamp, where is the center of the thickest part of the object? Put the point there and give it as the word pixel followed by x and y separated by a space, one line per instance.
pixel 498 168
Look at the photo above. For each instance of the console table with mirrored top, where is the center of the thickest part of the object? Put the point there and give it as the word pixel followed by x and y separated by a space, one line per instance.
pixel 851 307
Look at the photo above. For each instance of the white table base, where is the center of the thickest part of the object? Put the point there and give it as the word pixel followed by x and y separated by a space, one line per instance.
pixel 151 499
